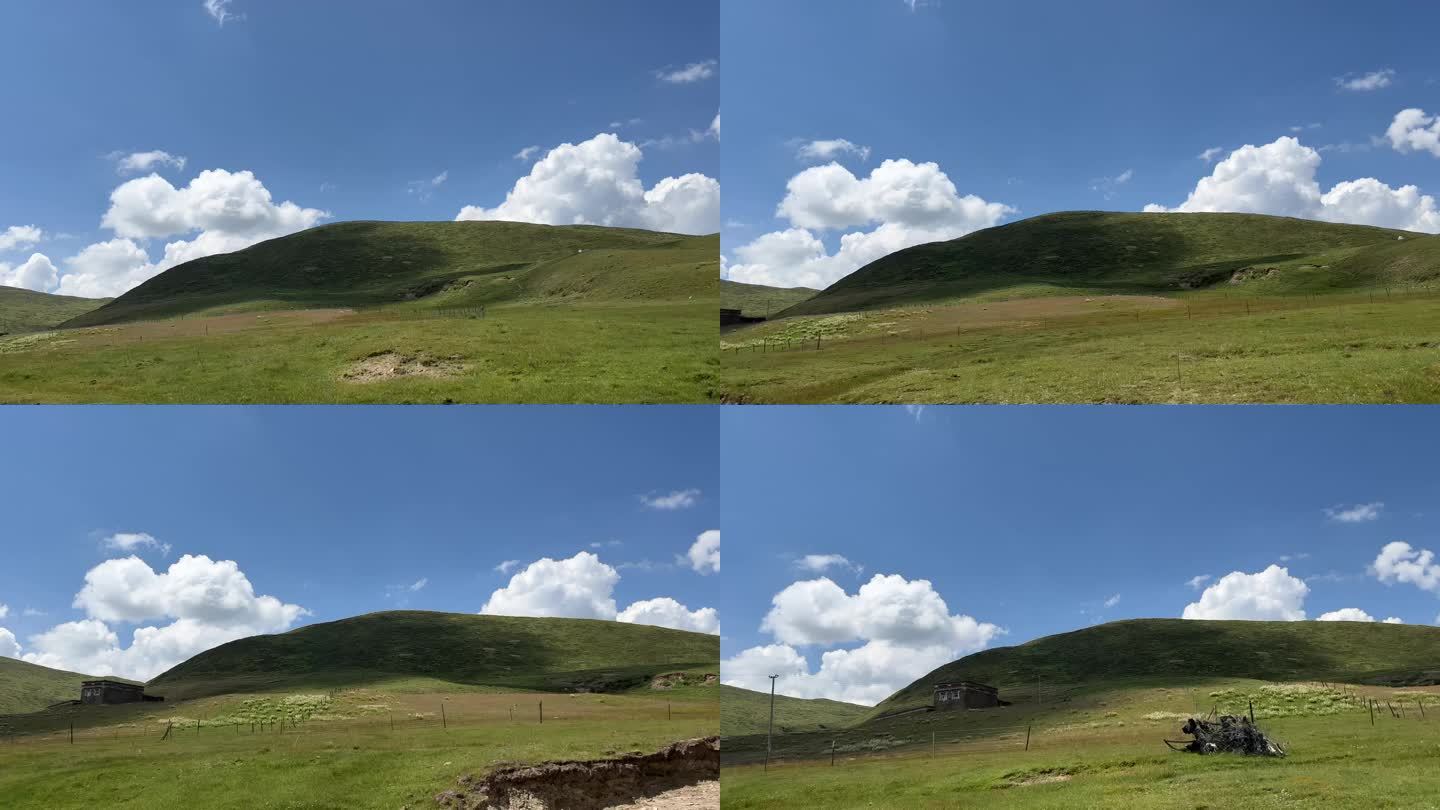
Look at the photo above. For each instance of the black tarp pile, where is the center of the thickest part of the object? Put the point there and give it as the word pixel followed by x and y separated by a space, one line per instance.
pixel 1226 734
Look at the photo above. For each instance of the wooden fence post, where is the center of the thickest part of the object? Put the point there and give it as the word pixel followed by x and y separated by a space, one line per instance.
pixel 443 723
pixel 832 753
pixel 1027 737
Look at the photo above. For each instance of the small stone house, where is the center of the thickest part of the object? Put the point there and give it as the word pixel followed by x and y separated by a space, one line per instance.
pixel 965 695
pixel 104 691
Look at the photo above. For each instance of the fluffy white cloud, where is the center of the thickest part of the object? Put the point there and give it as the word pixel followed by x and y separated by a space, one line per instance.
pixel 226 211
pixel 704 553
pixel 1210 154
pixel 527 153
pixel 37 273
pixel 582 587
pixel 210 602
pixel 1345 615
pixel 1359 513
pixel 1271 594
pixel 679 499
pixel 1279 178
pixel 136 162
pixel 1112 601
pixel 9 647
pixel 1374 80
pixel 907 203
pixel 1196 582
pixel 1399 562
pixel 578 587
pixel 596 182
pixel 4 610
pixel 666 612
pixel 20 236
pixel 691 73
pixel 820 563
pixel 830 149
pixel 1414 131
pixel 906 627
pixel 131 541
pixel 507 566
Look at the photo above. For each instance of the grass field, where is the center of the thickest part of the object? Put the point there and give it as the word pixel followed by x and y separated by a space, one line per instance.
pixel 383 710
pixel 1094 307
pixel 760 301
pixel 27 311
pixel 25 687
pixel 398 312
pixel 1085 714
pixel 333 750
pixel 748 712
pixel 1366 347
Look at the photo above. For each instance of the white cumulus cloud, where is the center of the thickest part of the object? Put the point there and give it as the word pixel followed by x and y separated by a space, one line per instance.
pixel 209 602
pixel 820 563
pixel 679 499
pixel 130 542
pixel 666 612
pixel 906 203
pixel 1272 594
pixel 37 273
pixel 905 627
pixel 1278 178
pixel 9 647
pixel 1359 513
pixel 1400 562
pixel 830 149
pixel 689 74
pixel 1414 131
pixel 596 182
pixel 704 553
pixel 136 162
pixel 1364 82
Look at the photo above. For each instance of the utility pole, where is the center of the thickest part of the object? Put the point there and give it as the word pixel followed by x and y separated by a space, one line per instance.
pixel 771 729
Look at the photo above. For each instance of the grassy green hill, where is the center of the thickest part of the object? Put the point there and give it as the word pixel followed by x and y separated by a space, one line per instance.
pixel 743 711
pixel 26 687
pixel 758 300
pixel 28 311
pixel 1102 252
pixel 430 264
pixel 1180 649
pixel 502 651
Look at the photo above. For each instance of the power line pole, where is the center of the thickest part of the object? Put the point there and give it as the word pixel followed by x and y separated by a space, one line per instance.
pixel 771 729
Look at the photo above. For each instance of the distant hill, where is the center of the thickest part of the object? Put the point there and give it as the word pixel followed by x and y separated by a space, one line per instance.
pixel 758 300
pixel 29 311
pixel 1139 253
pixel 26 687
pixel 433 264
pixel 1354 652
pixel 543 654
pixel 743 711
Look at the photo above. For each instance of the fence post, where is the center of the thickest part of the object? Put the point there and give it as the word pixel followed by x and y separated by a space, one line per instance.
pixel 1027 737
pixel 932 745
pixel 72 732
pixel 542 712
pixel 667 710
pixel 1370 704
pixel 832 753
pixel 443 723
pixel 1252 712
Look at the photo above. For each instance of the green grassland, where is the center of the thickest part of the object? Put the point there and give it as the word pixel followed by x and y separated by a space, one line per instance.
pixel 454 311
pixel 1122 308
pixel 748 712
pixel 760 301
pixel 27 311
pixel 384 710
pixel 26 687
pixel 1086 713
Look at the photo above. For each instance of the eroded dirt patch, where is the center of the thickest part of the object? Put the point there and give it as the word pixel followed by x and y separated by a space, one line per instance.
pixel 624 781
pixel 670 680
pixel 392 365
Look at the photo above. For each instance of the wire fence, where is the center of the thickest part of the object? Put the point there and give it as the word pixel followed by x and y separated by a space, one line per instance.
pixel 899 734
pixel 442 718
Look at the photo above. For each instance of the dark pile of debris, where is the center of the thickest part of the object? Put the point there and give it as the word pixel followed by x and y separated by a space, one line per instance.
pixel 591 784
pixel 1226 734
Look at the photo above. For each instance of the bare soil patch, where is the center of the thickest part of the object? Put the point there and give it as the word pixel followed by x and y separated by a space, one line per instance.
pixel 629 780
pixel 391 365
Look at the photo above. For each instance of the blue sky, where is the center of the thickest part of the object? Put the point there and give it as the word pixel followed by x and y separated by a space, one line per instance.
pixel 348 107
pixel 1031 519
pixel 1047 106
pixel 341 511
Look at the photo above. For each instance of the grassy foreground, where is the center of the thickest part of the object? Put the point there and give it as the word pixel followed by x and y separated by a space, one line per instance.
pixel 1362 347
pixel 571 353
pixel 342 752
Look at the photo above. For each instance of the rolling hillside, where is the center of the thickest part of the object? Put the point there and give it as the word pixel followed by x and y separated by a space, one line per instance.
pixel 760 301
pixel 1091 251
pixel 26 687
pixel 743 711
pixel 439 264
pixel 29 311
pixel 1160 649
pixel 525 653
